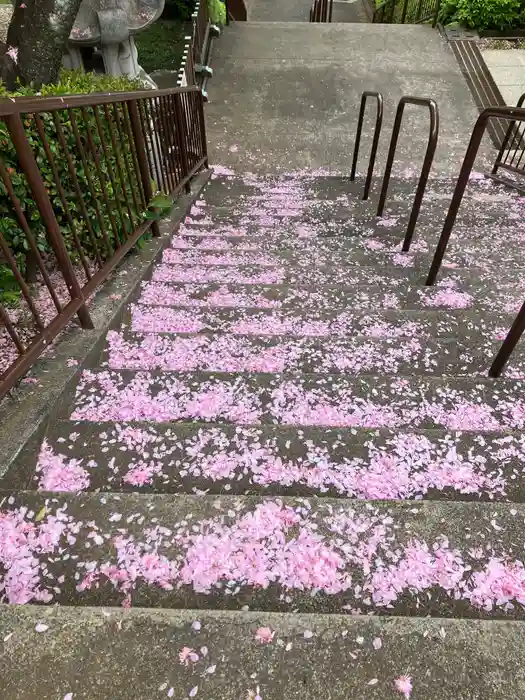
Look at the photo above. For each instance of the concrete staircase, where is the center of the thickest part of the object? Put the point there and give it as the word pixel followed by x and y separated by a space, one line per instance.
pixel 285 473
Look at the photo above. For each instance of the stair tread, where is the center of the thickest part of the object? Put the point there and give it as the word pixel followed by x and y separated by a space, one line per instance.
pixel 298 399
pixel 115 648
pixel 275 460
pixel 308 555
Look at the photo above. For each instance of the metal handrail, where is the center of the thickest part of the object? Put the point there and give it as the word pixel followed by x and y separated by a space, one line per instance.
pixel 427 162
pixel 321 11
pixel 513 114
pixel 375 140
pixel 512 166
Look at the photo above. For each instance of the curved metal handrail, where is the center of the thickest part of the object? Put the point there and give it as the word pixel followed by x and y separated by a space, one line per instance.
pixel 427 162
pixel 513 114
pixel 375 140
pixel 507 163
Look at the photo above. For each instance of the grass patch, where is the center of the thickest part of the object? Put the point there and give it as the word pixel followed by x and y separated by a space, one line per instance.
pixel 160 46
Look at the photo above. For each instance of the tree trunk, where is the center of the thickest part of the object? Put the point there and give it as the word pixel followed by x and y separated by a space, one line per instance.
pixel 36 41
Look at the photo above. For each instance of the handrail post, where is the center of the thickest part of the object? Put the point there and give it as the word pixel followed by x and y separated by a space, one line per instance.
pixel 510 342
pixel 375 140
pixel 34 179
pixel 462 181
pixel 142 157
pixel 390 157
pixel 425 171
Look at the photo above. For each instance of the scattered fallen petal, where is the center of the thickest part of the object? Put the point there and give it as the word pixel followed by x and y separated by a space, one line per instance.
pixel 374 681
pixel 377 643
pixel 308 634
pixel 264 635
pixel 40 627
pixel 196 625
pixel 404 685
pixel 193 692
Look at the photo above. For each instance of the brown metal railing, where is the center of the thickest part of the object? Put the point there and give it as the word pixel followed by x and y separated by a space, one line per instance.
pixel 511 155
pixel 407 12
pixel 427 162
pixel 512 114
pixel 375 140
pixel 322 11
pixel 77 175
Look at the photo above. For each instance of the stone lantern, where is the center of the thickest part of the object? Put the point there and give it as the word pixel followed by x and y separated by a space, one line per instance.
pixel 106 28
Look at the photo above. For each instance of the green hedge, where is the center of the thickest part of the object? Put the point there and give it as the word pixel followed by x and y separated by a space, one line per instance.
pixel 499 15
pixel 70 82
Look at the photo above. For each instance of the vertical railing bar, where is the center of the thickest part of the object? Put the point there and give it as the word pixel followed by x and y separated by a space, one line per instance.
pixel 80 199
pixel 63 199
pixel 181 131
pixel 6 321
pixel 190 134
pixel 175 165
pixel 160 131
pixel 170 174
pixel 28 234
pixel 150 106
pixel 114 184
pixel 133 148
pixel 101 176
pixel 122 179
pixel 91 188
pixel 425 171
pixel 29 165
pixel 154 143
pixel 148 140
pixel 127 170
pixel 21 281
pixel 142 156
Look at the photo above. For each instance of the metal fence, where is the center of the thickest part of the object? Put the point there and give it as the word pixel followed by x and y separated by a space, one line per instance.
pixel 321 11
pixel 77 175
pixel 407 12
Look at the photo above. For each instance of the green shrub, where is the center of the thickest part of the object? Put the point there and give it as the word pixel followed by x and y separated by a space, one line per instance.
pixel 105 198
pixel 217 11
pixel 499 15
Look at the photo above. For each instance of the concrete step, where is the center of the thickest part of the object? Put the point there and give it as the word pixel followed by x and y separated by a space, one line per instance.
pixel 256 291
pixel 334 400
pixel 467 324
pixel 238 353
pixel 99 654
pixel 436 558
pixel 274 460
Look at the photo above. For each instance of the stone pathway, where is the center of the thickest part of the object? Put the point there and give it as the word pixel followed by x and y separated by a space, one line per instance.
pixel 291 449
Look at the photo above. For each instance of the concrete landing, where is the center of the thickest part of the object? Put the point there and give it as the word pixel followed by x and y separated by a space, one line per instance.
pixel 286 95
pixel 279 11
pixel 100 654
